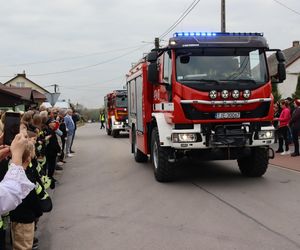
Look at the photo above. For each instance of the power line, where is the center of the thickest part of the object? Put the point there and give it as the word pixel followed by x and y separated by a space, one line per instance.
pixel 93 84
pixel 285 6
pixel 175 23
pixel 89 66
pixel 180 19
pixel 71 58
pixel 84 67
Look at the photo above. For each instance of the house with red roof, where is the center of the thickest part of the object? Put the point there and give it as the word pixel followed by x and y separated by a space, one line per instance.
pixel 30 93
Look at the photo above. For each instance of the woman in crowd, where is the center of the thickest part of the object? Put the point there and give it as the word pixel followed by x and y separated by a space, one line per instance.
pixel 283 130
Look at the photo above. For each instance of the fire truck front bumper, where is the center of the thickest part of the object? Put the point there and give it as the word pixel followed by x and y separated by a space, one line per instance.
pixel 221 137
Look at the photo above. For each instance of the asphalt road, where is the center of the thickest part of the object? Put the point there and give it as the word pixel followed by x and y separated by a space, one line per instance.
pixel 105 200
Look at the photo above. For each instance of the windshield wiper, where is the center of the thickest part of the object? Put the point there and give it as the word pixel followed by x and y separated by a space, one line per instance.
pixel 240 80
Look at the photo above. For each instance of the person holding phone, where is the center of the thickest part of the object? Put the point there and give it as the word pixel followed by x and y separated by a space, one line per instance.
pixel 11 126
pixel 15 186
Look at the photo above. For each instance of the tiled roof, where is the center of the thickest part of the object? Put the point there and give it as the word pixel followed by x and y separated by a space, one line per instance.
pixel 25 93
pixel 291 55
pixel 8 99
pixel 38 96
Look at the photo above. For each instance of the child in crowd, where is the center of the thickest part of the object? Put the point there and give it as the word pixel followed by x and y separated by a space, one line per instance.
pixel 52 149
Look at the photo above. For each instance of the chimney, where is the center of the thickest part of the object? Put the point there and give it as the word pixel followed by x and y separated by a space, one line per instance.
pixel 296 44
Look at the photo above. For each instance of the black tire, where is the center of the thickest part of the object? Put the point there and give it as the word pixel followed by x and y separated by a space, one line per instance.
pixel 256 164
pixel 164 171
pixel 115 133
pixel 139 156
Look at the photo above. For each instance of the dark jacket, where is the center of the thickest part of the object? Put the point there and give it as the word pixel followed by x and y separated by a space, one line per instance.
pixel 30 208
pixel 44 200
pixel 295 120
pixel 52 147
pixel 75 118
pixel 62 128
pixel 3 168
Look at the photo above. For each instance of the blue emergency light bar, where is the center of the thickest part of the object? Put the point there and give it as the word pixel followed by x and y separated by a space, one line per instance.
pixel 213 34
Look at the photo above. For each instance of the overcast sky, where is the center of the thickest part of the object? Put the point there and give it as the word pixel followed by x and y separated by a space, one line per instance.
pixel 94 42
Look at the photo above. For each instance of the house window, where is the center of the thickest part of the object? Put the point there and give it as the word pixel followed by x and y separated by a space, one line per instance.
pixel 20 84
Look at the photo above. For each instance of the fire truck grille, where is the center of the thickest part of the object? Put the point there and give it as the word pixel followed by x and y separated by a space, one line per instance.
pixel 194 114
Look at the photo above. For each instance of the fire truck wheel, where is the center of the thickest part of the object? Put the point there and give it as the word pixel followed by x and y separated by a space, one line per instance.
pixel 139 156
pixel 256 164
pixel 164 171
pixel 115 133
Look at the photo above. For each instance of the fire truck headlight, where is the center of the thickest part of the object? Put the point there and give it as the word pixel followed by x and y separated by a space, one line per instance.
pixel 265 134
pixel 184 137
pixel 246 94
pixel 235 94
pixel 213 94
pixel 173 43
pixel 117 123
pixel 225 94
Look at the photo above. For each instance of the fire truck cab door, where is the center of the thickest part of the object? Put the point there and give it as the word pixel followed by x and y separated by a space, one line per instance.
pixel 139 103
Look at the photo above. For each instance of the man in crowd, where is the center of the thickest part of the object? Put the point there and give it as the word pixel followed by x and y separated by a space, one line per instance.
pixel 102 120
pixel 75 118
pixel 70 128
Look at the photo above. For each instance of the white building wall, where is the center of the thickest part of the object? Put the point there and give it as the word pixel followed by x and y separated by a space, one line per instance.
pixel 288 87
pixel 25 83
pixel 294 67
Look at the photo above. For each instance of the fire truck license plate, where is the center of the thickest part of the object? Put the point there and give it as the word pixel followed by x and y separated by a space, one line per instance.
pixel 228 115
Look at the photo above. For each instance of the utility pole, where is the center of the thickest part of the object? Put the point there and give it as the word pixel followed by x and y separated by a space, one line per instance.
pixel 156 43
pixel 223 17
pixel 56 89
pixel 52 97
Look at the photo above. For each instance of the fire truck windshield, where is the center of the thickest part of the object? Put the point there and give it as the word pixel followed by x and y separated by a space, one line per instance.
pixel 121 101
pixel 217 65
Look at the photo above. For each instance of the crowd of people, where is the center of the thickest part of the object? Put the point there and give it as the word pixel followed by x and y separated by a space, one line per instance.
pixel 27 171
pixel 287 123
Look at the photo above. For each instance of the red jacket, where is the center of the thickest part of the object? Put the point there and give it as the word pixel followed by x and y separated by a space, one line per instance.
pixel 285 117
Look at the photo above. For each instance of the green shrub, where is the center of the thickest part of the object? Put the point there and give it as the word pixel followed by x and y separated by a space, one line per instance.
pixel 296 95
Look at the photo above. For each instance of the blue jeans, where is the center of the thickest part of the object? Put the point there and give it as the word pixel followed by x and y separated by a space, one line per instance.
pixel 69 143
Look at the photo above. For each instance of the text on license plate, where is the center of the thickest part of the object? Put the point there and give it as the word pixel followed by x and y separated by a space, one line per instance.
pixel 228 115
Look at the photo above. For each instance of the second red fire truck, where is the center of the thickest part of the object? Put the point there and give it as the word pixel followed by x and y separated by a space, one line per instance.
pixel 205 95
pixel 116 114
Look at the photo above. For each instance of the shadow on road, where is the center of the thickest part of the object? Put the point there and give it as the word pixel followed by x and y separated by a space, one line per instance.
pixel 122 136
pixel 212 172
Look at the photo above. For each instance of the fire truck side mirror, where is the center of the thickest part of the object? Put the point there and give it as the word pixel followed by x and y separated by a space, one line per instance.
pixel 281 72
pixel 153 73
pixel 152 57
pixel 280 56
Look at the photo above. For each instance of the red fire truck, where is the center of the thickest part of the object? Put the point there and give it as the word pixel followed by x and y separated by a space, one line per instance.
pixel 205 95
pixel 116 114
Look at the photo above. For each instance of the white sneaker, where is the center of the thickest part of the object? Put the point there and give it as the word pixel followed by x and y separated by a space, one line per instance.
pixel 286 152
pixel 60 163
pixel 70 155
